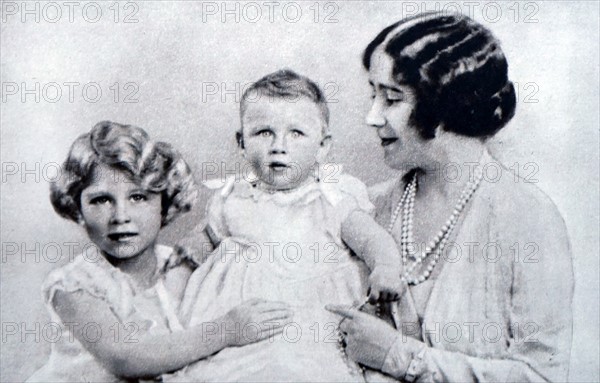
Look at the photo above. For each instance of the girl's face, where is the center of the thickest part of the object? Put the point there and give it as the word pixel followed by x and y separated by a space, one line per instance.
pixel 390 113
pixel 121 218
pixel 283 140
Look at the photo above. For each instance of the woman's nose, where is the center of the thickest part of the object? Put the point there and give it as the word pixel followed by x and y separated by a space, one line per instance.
pixel 279 145
pixel 120 214
pixel 375 116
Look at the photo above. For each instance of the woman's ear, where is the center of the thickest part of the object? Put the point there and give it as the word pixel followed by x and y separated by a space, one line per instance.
pixel 324 149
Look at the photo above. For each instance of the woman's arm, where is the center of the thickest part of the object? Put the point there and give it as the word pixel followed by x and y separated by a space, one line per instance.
pixel 146 355
pixel 377 248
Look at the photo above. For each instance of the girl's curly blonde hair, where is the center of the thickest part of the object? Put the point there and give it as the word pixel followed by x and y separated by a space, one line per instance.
pixel 156 166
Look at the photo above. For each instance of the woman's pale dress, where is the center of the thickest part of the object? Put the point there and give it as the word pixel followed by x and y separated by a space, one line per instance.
pixel 499 305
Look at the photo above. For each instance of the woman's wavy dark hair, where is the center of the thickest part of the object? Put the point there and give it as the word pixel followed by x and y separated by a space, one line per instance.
pixel 156 166
pixel 457 70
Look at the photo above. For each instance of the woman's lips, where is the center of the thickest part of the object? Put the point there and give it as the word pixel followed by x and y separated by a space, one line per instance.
pixel 388 141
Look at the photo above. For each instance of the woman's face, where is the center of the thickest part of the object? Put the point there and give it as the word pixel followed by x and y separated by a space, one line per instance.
pixel 121 218
pixel 390 113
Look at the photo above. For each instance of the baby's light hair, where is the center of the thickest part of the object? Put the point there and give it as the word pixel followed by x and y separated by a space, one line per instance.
pixel 156 166
pixel 287 85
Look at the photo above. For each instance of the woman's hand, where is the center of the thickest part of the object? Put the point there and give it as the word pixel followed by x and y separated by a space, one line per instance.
pixel 385 284
pixel 368 339
pixel 254 320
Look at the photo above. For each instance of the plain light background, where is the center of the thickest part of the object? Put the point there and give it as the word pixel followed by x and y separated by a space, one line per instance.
pixel 178 57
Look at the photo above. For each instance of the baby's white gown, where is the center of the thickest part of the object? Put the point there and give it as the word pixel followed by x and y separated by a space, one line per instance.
pixel 284 247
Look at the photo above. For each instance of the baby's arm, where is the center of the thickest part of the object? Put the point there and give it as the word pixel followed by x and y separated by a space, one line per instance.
pixel 142 355
pixel 377 248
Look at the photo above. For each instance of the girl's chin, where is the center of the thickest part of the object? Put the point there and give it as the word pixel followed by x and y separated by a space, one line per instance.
pixel 124 251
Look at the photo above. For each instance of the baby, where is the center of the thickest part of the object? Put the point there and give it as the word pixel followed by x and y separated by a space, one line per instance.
pixel 287 231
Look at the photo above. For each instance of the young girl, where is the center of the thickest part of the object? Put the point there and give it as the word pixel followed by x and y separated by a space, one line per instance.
pixel 284 231
pixel 116 303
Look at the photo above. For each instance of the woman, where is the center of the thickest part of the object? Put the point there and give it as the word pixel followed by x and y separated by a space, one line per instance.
pixel 486 255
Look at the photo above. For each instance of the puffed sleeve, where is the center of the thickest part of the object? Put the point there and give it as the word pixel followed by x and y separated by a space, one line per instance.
pixel 347 194
pixel 86 273
pixel 539 317
pixel 215 224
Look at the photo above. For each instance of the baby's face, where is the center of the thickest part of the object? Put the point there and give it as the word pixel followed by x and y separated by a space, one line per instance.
pixel 283 140
pixel 121 218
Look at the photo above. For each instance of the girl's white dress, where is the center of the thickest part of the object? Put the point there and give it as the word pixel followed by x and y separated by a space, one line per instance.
pixel 283 246
pixel 152 310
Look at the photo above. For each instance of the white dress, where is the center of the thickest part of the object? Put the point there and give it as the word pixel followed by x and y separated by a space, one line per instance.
pixel 154 308
pixel 284 247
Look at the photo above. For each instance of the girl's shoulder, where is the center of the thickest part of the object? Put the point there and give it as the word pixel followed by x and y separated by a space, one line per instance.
pixel 87 272
pixel 91 273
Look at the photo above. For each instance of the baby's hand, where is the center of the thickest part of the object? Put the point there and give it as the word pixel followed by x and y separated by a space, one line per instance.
pixel 385 284
pixel 254 320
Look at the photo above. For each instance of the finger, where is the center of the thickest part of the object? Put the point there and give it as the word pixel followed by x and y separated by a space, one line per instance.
pixel 269 333
pixel 256 335
pixel 268 325
pixel 281 323
pixel 266 306
pixel 342 310
pixel 274 316
pixel 253 301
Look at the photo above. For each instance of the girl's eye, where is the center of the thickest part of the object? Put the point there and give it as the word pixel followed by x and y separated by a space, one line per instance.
pixel 99 200
pixel 297 134
pixel 138 197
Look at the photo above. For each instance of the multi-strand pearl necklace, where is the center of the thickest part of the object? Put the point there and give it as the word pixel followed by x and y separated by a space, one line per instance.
pixel 434 249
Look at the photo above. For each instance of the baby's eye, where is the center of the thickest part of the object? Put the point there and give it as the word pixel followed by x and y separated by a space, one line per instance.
pixel 264 133
pixel 138 197
pixel 99 200
pixel 297 134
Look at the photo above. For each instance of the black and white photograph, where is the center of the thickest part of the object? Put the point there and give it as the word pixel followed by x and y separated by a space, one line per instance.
pixel 300 191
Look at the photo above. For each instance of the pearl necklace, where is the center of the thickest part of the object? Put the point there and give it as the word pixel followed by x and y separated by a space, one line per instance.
pixel 407 202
